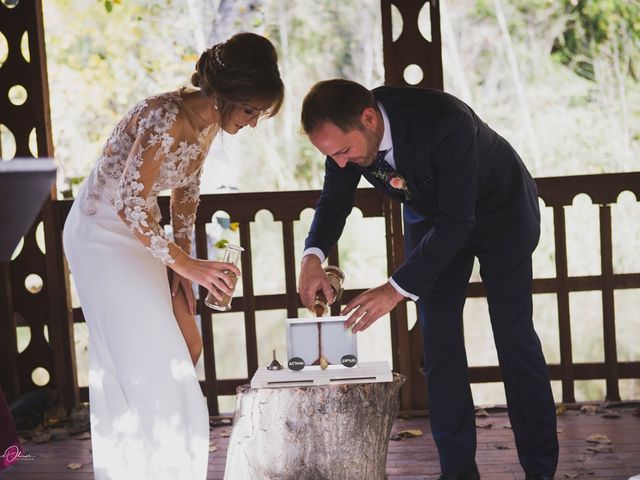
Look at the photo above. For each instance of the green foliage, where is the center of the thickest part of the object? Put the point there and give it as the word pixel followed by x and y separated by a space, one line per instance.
pixel 100 64
pixel 108 4
pixel 595 26
pixel 483 9
pixel 145 47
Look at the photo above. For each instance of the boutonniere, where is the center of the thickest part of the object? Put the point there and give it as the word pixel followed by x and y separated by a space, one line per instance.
pixel 398 182
pixel 393 180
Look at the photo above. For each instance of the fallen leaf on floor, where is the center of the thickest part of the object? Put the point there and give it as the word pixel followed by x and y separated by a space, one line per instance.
pixel 406 434
pixel 80 417
pixel 570 475
pixel 39 429
pixel 225 433
pixel 219 421
pixel 560 409
pixel 59 434
pixel 212 448
pixel 482 413
pixel 42 437
pixel 76 430
pixel 600 449
pixel 610 413
pixel 589 409
pixel 507 426
pixel 598 438
pixel 583 472
pixel 501 446
pixel 484 424
pixel 74 466
pixel 83 436
pixel 55 416
pixel 559 430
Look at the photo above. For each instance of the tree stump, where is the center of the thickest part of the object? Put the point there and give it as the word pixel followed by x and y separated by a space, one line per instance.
pixel 315 433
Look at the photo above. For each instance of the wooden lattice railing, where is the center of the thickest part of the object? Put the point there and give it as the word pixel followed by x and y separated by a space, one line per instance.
pixel 286 207
pixel 558 193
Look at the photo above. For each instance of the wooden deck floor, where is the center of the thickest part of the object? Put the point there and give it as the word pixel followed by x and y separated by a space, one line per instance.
pixel 413 458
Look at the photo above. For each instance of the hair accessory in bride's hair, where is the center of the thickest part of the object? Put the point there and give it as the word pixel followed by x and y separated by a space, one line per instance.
pixel 216 55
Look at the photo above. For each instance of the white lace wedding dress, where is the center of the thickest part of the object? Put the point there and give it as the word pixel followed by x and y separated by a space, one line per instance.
pixel 149 418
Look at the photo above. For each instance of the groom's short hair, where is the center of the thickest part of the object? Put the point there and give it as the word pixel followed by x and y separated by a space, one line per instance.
pixel 337 101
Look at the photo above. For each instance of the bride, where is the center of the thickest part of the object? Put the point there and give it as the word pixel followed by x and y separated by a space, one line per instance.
pixel 149 419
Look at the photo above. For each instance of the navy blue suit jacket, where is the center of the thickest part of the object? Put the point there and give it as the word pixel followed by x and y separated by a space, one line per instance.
pixel 465 179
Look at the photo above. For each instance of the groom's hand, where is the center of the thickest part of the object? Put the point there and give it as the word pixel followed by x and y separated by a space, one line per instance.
pixel 313 278
pixel 370 306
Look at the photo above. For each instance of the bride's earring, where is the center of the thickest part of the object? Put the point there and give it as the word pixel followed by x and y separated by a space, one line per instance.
pixel 215 110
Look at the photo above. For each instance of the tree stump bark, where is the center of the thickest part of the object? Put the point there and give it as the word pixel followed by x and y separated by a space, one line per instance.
pixel 314 433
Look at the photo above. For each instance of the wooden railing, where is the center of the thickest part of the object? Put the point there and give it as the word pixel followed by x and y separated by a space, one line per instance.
pixel 286 207
pixel 558 193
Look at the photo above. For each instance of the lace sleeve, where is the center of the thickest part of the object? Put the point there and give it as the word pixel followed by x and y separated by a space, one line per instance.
pixel 154 138
pixel 184 203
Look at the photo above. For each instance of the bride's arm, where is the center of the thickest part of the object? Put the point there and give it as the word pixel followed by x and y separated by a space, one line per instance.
pixel 184 203
pixel 155 136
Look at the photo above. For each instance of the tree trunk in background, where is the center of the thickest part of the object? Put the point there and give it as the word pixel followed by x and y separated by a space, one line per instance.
pixel 458 70
pixel 519 84
pixel 620 75
pixel 331 432
pixel 288 113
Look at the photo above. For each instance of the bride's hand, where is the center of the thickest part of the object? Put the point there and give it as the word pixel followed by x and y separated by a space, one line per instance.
pixel 211 275
pixel 179 282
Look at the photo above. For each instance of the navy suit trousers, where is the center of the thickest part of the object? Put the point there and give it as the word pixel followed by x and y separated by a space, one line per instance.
pixel 508 283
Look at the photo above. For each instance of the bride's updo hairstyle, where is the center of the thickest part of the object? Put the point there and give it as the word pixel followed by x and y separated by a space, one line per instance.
pixel 242 70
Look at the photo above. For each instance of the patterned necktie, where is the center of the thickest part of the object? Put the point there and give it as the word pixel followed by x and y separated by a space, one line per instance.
pixel 381 169
pixel 380 164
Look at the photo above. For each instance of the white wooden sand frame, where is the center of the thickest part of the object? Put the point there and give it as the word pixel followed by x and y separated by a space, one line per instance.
pixel 310 338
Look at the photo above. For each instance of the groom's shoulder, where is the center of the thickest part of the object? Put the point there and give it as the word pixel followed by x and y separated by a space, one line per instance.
pixel 388 91
pixel 410 98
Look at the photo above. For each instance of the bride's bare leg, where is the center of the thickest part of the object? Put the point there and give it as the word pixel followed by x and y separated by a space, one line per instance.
pixel 188 326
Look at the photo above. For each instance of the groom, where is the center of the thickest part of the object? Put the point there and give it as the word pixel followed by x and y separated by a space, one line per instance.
pixel 466 193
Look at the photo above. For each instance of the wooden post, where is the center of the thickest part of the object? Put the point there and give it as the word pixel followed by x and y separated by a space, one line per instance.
pixel 329 432
pixel 8 339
